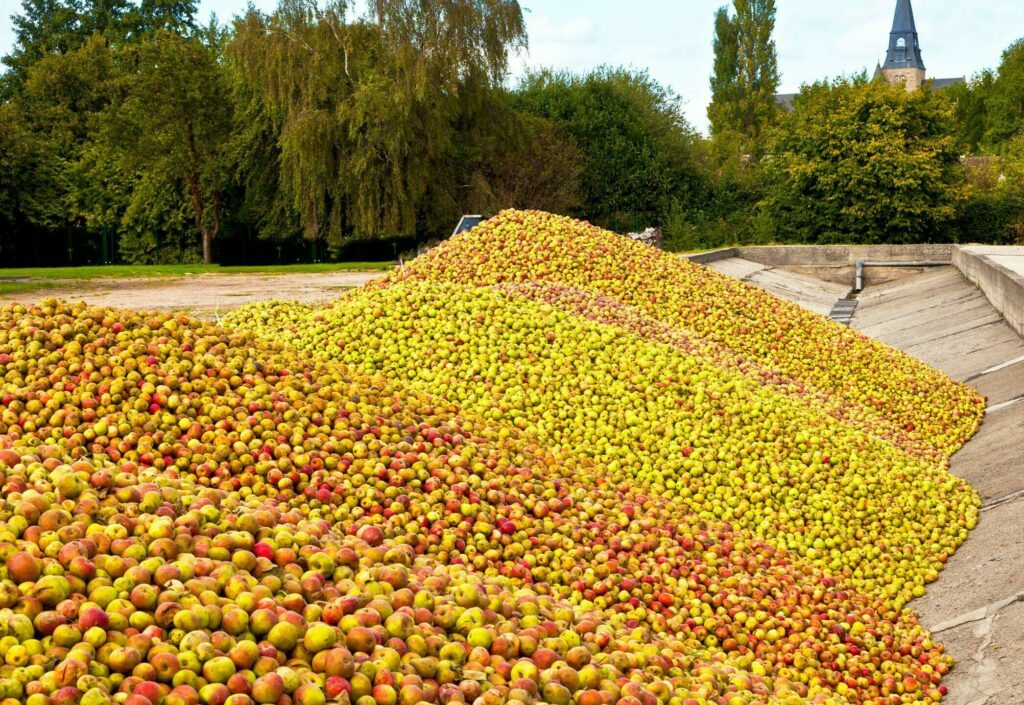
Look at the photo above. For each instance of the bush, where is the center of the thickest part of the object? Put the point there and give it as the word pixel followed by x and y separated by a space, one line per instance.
pixel 860 161
pixel 988 217
pixel 699 229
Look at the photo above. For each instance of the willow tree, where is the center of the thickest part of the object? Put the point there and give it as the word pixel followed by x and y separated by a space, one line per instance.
pixel 367 106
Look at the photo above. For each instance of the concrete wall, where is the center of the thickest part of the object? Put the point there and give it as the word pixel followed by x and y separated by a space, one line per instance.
pixel 839 255
pixel 713 255
pixel 838 263
pixel 1003 287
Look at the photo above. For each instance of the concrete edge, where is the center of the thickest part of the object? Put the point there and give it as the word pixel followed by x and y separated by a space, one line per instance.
pixel 842 255
pixel 1003 288
pixel 713 255
pixel 825 255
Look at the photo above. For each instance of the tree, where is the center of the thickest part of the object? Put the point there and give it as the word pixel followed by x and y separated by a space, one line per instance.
pixel 62 99
pixel 860 161
pixel 367 109
pixel 171 132
pixel 28 176
pixel 636 144
pixel 519 161
pixel 1010 189
pixel 746 76
pixel 254 152
pixel 56 27
pixel 1005 103
pixel 42 27
pixel 722 112
pixel 970 100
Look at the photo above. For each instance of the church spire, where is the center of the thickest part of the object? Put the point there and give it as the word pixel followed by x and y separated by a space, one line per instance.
pixel 904 48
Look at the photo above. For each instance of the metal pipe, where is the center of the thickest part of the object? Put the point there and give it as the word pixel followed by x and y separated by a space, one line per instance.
pixel 920 263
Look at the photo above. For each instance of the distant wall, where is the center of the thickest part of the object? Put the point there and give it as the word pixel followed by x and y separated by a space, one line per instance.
pixel 713 255
pixel 1003 287
pixel 838 263
pixel 839 255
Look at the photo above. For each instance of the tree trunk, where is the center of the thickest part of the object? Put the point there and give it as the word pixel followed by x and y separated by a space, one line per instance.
pixel 207 246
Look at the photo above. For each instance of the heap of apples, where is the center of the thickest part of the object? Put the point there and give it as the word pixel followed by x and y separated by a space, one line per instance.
pixel 518 247
pixel 526 491
pixel 715 443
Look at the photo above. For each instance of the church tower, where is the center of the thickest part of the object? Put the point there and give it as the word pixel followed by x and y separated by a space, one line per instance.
pixel 903 62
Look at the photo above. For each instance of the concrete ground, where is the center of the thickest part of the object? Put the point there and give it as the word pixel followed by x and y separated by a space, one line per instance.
pixel 814 294
pixel 976 608
pixel 205 295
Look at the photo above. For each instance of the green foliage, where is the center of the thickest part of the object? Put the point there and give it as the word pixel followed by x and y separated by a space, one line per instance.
pixel 367 109
pixel 725 98
pixel 123 121
pixel 727 213
pixel 865 162
pixel 1005 98
pixel 990 107
pixel 42 27
pixel 63 99
pixel 67 276
pixel 170 132
pixel 516 160
pixel 746 72
pixel 638 150
pixel 970 101
pixel 28 176
pixel 994 213
pixel 55 27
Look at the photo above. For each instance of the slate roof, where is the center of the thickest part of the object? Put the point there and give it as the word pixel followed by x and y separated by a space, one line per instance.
pixel 904 47
pixel 940 83
pixel 785 100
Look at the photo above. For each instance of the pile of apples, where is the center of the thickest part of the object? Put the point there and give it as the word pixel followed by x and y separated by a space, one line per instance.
pixel 527 490
pixel 713 442
pixel 521 247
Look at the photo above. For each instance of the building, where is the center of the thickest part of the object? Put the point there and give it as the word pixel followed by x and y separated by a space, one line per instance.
pixel 904 63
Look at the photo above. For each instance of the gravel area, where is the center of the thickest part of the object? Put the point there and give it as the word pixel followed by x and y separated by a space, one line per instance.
pixel 203 294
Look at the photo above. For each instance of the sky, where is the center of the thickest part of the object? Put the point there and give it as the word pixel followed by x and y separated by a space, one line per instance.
pixel 672 38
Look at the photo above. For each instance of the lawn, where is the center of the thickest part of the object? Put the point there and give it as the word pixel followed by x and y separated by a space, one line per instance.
pixel 22 287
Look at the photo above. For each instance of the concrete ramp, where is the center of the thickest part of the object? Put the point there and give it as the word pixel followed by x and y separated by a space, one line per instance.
pixel 976 608
pixel 813 294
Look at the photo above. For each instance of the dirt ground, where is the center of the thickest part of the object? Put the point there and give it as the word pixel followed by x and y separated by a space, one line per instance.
pixel 205 295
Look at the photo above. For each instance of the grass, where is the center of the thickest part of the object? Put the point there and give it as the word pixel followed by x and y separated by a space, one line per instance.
pixel 22 287
pixel 124 271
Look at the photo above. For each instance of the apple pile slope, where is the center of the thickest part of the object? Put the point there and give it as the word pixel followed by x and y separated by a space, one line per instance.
pixel 673 423
pixel 529 246
pixel 193 514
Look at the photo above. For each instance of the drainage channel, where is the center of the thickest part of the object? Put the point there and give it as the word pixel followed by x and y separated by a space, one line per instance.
pixel 843 311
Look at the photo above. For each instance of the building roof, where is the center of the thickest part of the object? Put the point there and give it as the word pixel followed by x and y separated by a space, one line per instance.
pixel 904 48
pixel 785 100
pixel 940 83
